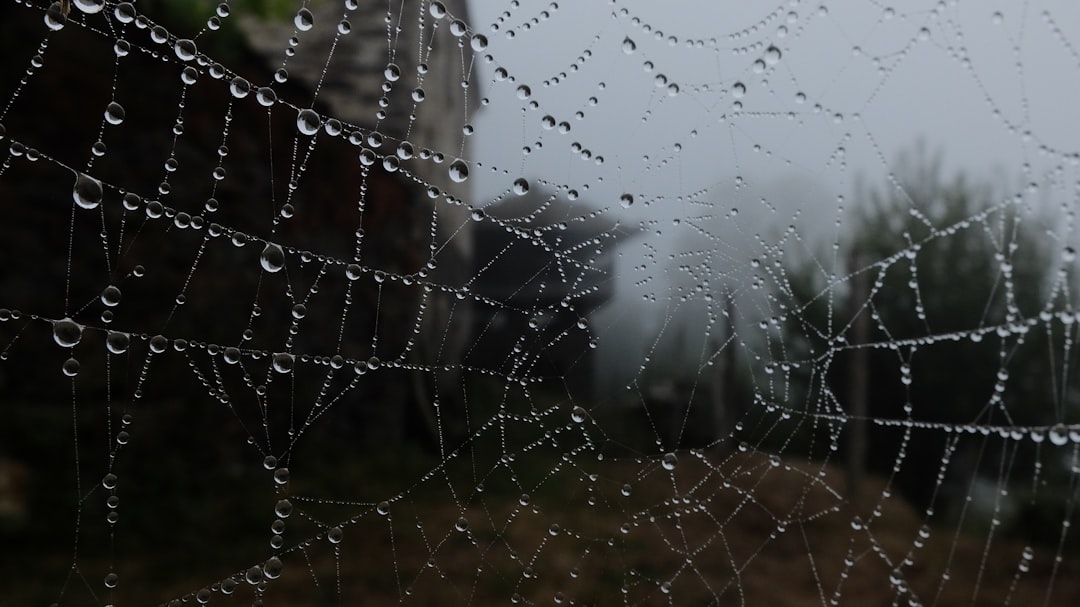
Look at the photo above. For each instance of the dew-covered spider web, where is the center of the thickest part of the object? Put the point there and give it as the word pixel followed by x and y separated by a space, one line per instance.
pixel 528 302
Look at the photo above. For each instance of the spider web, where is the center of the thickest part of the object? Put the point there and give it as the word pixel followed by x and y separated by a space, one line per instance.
pixel 590 303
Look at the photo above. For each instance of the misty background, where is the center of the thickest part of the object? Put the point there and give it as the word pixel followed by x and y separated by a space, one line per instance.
pixel 982 88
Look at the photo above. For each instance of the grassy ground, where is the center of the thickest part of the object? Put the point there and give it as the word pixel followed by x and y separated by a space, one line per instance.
pixel 750 531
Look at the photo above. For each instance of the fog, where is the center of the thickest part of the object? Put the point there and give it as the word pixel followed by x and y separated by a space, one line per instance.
pixel 835 96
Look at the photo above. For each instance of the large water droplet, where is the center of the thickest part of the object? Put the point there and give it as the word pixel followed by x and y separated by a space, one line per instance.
pixel 71 367
pixel 626 200
pixel 1059 434
pixel 90 6
pixel 185 49
pixel 87 192
pixel 115 112
pixel 668 461
pixel 304 20
pixel 521 187
pixel 628 46
pixel 392 72
pixel 438 10
pixel 281 476
pixel 239 87
pixel 479 42
pixel 111 296
pixel 158 344
pixel 458 170
pixel 124 12
pixel 272 258
pixel 55 19
pixel 308 122
pixel 117 342
pixel 67 333
pixel 578 415
pixel 772 55
pixel 283 362
pixel 335 535
pixel 266 96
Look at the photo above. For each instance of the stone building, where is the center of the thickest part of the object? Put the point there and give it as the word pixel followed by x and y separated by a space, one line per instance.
pixel 399 84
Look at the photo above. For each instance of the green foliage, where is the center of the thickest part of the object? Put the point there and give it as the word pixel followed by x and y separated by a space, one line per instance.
pixel 954 286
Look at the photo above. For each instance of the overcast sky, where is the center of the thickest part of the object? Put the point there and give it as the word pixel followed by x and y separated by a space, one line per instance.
pixel 834 92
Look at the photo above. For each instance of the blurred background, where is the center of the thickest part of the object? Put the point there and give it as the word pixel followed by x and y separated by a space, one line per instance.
pixel 531 302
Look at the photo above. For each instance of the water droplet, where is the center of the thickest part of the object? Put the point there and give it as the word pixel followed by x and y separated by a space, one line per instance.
pixel 335 535
pixel 628 46
pixel 458 171
pixel 239 87
pixel 458 28
pixel 626 200
pixel 304 20
pixel 90 6
pixel 772 55
pixel 578 415
pixel 283 362
pixel 111 296
pixel 55 19
pixel 738 90
pixel 308 122
pixel 266 96
pixel 521 187
pixel 1059 434
pixel 71 367
pixel 383 508
pixel 281 476
pixel 109 481
pixel 87 192
pixel 462 524
pixel 524 92
pixel 117 342
pixel 479 42
pixel 114 113
pixel 67 333
pixel 392 72
pixel 232 355
pixel 272 258
pixel 668 461
pixel 185 49
pixel 158 343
